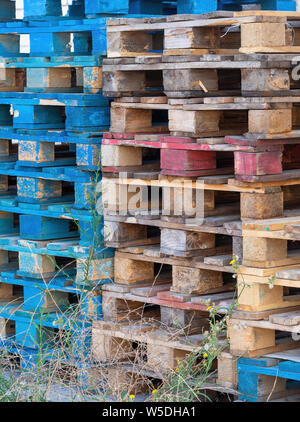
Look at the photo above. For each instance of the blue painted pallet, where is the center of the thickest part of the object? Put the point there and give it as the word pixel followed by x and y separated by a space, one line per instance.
pixel 123 7
pixel 40 159
pixel 236 5
pixel 59 283
pixel 62 37
pixel 44 228
pixel 50 61
pixel 13 312
pixel 9 203
pixel 54 221
pixel 37 293
pixel 88 228
pixel 72 112
pixel 206 6
pixel 55 247
pixel 28 333
pixel 31 358
pixel 68 173
pixel 71 37
pixel 37 187
pixel 249 371
pixel 55 38
pixel 38 244
pixel 43 135
pixel 51 9
pixel 67 99
pixel 37 191
pixel 42 9
pixel 36 117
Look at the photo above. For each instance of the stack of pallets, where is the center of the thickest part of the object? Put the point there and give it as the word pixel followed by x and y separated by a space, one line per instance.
pixel 52 118
pixel 201 163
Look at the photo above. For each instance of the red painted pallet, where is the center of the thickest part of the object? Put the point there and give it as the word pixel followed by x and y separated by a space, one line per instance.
pixel 253 160
pixel 136 297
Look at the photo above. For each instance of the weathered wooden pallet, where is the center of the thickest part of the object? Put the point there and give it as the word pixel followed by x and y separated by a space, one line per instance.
pixel 171 236
pixel 266 289
pixel 207 201
pixel 249 337
pixel 157 303
pixel 244 32
pixel 274 117
pixel 177 239
pixel 113 342
pixel 227 370
pixel 201 76
pixel 136 378
pixel 189 276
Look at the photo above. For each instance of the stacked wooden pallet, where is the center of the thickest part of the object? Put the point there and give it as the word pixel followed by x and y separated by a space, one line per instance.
pixel 52 113
pixel 52 118
pixel 201 163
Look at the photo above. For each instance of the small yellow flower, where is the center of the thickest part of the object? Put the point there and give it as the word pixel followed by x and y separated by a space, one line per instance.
pixel 205 355
pixel 154 391
pixel 176 369
pixel 210 307
pixel 132 396
pixel 232 261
